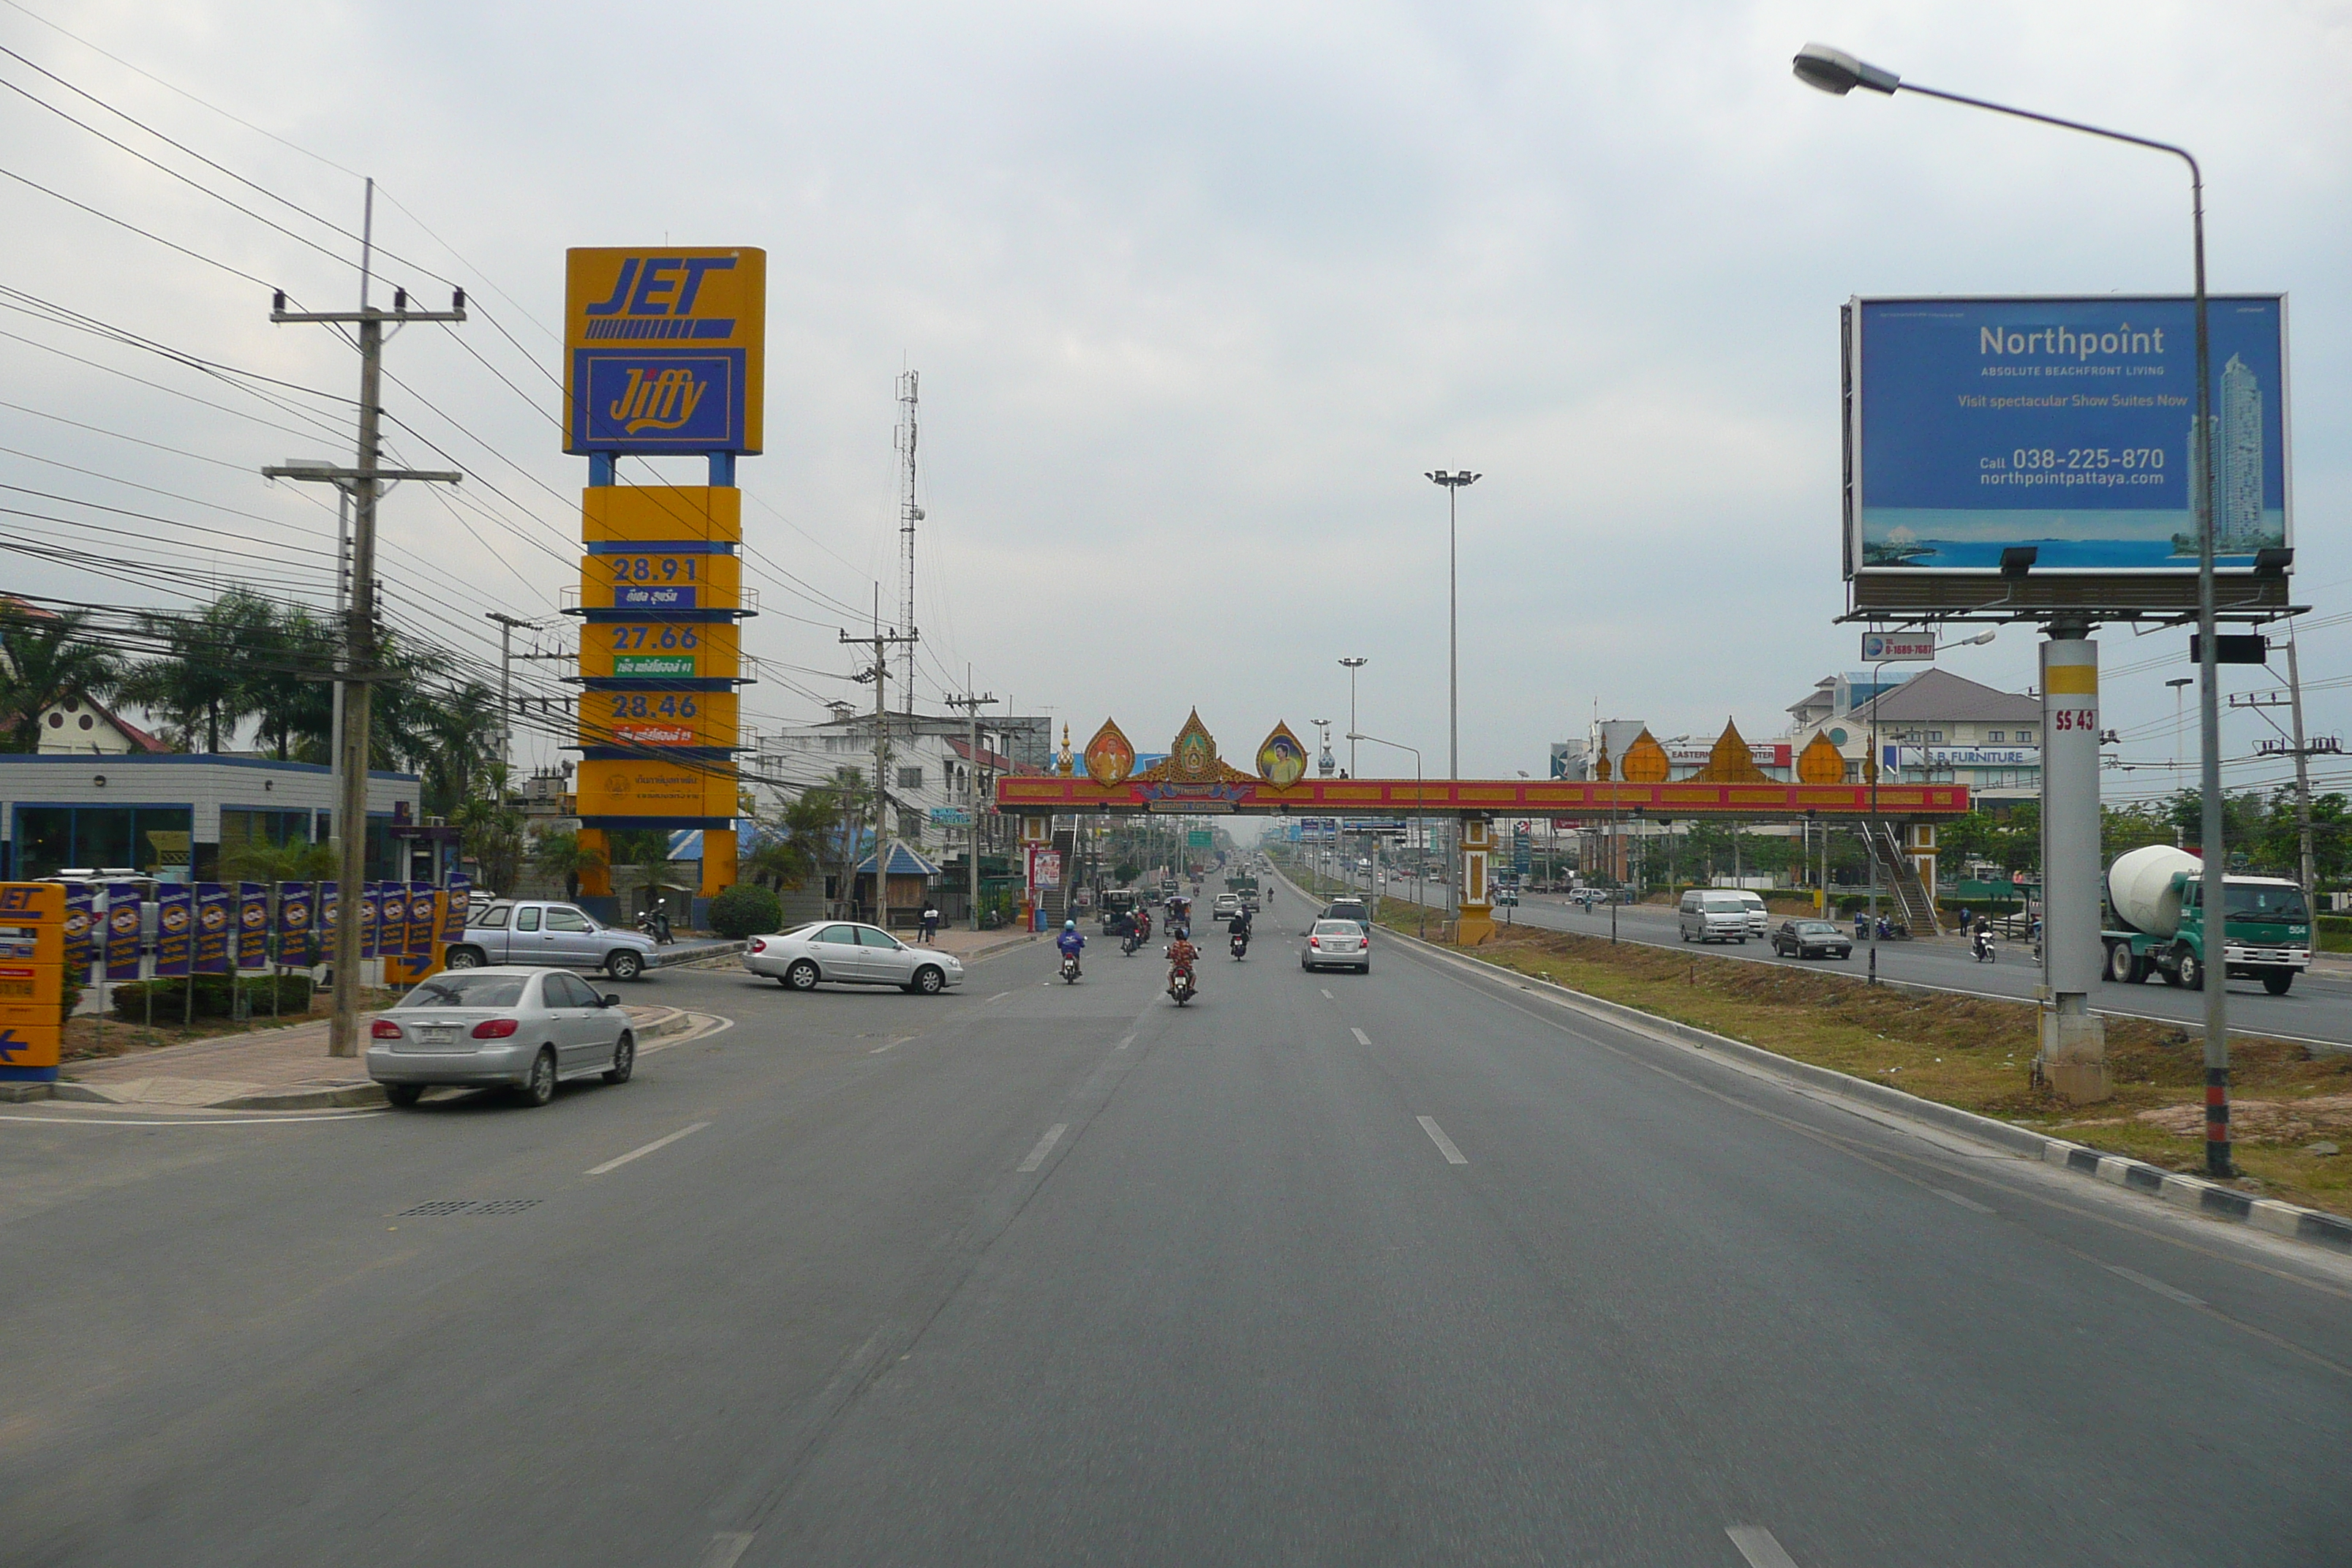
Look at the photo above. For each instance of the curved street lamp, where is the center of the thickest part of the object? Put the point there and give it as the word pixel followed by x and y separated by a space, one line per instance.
pixel 1832 70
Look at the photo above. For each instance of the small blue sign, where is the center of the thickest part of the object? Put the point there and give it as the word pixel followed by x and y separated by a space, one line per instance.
pixel 651 596
pixel 646 400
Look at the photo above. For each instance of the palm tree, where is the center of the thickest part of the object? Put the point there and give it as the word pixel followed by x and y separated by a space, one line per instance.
pixel 286 687
pixel 492 833
pixel 562 855
pixel 49 658
pixel 203 681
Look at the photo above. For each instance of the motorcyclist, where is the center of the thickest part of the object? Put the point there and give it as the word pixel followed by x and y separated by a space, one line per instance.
pixel 1981 936
pixel 1070 942
pixel 1182 955
pixel 1239 928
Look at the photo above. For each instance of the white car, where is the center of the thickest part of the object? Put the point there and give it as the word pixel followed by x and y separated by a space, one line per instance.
pixel 843 952
pixel 1338 944
pixel 1227 907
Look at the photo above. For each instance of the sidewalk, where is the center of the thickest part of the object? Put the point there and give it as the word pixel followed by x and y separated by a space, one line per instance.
pixel 969 944
pixel 270 1070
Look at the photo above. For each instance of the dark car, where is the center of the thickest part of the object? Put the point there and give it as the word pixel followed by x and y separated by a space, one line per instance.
pixel 1354 910
pixel 1811 939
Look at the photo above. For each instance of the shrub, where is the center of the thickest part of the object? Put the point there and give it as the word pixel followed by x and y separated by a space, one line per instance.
pixel 212 996
pixel 746 909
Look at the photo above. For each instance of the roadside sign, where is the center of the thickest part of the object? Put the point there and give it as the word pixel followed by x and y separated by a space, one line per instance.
pixel 950 816
pixel 1198 838
pixel 1893 647
pixel 32 1023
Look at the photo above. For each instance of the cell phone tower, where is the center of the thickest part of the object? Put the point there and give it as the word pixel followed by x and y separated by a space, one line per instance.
pixel 910 514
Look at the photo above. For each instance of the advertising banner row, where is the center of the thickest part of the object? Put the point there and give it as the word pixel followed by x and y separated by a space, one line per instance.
pixel 218 928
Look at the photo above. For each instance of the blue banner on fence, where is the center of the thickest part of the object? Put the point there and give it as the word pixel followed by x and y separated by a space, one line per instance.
pixel 81 899
pixel 122 931
pixel 212 929
pixel 175 930
pixel 253 925
pixel 297 917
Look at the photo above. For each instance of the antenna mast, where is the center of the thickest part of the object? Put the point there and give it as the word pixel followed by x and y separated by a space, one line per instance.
pixel 910 514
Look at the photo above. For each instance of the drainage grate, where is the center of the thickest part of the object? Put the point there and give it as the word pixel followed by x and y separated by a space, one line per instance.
pixel 471 1205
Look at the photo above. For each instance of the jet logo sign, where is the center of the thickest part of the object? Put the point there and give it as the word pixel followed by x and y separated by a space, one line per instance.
pixel 668 350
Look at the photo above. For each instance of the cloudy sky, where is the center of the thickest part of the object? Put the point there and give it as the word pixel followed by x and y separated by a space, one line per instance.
pixel 1197 293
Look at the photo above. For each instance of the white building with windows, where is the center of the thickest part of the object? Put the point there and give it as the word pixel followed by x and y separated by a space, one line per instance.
pixel 1933 727
pixel 937 784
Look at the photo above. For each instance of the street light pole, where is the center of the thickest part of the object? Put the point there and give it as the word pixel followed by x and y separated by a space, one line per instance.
pixel 1452 483
pixel 1351 665
pixel 1420 909
pixel 1834 71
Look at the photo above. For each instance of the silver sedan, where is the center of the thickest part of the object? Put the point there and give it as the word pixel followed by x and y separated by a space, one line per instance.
pixel 847 953
pixel 529 1029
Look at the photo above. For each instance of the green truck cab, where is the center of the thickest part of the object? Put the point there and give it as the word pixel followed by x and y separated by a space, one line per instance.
pixel 2266 934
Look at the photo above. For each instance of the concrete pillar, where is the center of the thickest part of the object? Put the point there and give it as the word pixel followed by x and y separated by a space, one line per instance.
pixel 1476 921
pixel 2073 1040
pixel 596 881
pixel 718 855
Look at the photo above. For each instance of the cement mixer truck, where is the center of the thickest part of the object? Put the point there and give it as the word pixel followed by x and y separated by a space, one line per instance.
pixel 2156 925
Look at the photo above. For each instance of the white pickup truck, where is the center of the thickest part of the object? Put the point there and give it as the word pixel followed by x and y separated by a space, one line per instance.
pixel 553 935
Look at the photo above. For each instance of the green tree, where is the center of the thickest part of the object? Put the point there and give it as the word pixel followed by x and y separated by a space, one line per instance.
pixel 203 681
pixel 49 659
pixel 490 832
pixel 562 855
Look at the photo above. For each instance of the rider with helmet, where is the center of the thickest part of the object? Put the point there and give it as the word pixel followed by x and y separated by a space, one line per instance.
pixel 1182 955
pixel 1070 942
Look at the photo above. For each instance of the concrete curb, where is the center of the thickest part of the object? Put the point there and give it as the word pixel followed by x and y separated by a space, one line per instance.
pixel 1018 939
pixel 2210 1198
pixel 648 1023
pixel 702 953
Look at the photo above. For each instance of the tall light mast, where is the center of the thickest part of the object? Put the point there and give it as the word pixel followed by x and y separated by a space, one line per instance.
pixel 910 514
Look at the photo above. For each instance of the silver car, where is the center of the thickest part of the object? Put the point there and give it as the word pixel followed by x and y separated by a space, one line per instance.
pixel 549 931
pixel 529 1029
pixel 847 953
pixel 1338 944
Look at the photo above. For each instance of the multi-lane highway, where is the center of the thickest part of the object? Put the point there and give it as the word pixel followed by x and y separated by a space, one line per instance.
pixel 1411 1267
pixel 2319 1007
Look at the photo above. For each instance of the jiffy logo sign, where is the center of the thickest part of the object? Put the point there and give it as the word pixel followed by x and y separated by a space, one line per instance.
pixel 667 350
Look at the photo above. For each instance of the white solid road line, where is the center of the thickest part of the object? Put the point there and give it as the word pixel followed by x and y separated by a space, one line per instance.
pixel 1124 1044
pixel 1755 1544
pixel 1445 1145
pixel 1044 1145
pixel 724 1549
pixel 1361 1038
pixel 999 997
pixel 280 1120
pixel 1970 1204
pixel 2170 1292
pixel 640 1152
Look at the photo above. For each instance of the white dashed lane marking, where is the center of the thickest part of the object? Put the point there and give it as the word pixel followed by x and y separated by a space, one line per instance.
pixel 1755 1544
pixel 1044 1145
pixel 1445 1145
pixel 1361 1038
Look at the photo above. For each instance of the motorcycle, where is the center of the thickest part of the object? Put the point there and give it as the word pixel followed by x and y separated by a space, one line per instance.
pixel 1240 944
pixel 1129 942
pixel 654 922
pixel 1982 942
pixel 1181 987
pixel 1069 969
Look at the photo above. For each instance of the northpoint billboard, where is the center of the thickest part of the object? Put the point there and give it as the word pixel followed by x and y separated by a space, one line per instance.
pixel 2064 425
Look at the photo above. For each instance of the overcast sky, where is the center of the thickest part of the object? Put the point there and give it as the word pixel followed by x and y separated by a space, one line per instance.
pixel 1197 293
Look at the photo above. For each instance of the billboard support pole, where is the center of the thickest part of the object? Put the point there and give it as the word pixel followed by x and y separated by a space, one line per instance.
pixel 2073 1056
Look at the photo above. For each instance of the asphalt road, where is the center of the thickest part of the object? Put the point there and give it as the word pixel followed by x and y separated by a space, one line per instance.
pixel 1411 1267
pixel 2319 1007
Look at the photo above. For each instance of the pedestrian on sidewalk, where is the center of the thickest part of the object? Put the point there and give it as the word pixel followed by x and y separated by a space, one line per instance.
pixel 930 922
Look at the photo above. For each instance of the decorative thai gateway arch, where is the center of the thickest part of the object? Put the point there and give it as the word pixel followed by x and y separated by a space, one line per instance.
pixel 1194 780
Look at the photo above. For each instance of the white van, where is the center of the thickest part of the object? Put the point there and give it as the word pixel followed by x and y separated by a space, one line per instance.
pixel 1759 919
pixel 1714 914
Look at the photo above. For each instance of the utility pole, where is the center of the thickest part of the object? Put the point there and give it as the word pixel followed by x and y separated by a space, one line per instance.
pixel 2304 864
pixel 971 702
pixel 881 642
pixel 506 625
pixel 359 482
pixel 910 514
